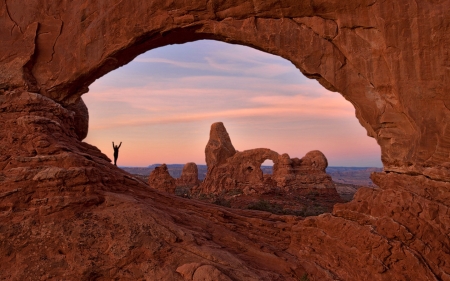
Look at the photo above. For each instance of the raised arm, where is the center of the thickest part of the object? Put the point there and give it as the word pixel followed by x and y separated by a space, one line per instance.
pixel 113 144
pixel 120 144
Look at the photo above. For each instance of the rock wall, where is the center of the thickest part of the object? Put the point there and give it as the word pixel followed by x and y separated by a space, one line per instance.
pixel 66 212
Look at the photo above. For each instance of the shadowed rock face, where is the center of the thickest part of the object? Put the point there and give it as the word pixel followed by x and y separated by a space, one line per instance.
pixel 66 212
pixel 81 118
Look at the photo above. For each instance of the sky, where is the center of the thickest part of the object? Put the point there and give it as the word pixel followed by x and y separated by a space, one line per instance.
pixel 162 104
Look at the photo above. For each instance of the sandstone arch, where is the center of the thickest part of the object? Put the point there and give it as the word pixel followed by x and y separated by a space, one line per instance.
pixel 389 59
pixel 65 47
pixel 229 169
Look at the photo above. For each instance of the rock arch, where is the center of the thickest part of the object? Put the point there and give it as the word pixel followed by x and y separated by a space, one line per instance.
pixel 64 47
pixel 390 60
pixel 229 169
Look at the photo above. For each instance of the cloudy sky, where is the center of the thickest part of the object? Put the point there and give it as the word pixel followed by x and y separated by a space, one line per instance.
pixel 162 104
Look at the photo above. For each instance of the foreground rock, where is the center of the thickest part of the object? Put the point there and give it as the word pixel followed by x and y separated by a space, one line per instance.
pixel 66 209
pixel 61 207
pixel 67 213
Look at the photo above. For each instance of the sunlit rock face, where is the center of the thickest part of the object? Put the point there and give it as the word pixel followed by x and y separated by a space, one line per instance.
pixel 67 213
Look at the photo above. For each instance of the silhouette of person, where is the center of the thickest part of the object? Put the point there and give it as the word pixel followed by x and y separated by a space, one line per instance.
pixel 116 152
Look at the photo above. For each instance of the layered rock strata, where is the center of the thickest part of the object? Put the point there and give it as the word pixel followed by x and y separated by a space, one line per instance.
pixel 67 213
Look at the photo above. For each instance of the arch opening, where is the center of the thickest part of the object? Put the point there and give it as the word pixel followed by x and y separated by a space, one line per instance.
pixel 135 89
pixel 267 167
pixel 262 99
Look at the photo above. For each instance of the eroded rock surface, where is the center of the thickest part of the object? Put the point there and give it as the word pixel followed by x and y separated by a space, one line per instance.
pixel 81 118
pixel 65 208
pixel 67 213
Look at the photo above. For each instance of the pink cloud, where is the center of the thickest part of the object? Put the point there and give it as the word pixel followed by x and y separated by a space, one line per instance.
pixel 175 63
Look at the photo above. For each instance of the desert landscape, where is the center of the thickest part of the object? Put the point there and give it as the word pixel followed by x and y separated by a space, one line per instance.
pixel 68 213
pixel 347 180
pixel 301 189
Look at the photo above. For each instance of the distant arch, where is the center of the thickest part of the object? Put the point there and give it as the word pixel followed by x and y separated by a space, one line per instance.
pixel 267 167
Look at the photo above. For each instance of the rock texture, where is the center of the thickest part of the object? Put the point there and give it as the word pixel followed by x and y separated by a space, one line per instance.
pixel 229 169
pixel 81 119
pixel 67 213
pixel 161 179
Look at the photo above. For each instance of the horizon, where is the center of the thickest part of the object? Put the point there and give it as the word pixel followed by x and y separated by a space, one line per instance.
pixel 162 104
pixel 168 164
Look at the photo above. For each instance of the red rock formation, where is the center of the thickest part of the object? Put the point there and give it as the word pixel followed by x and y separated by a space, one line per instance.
pixel 219 147
pixel 67 213
pixel 161 179
pixel 242 170
pixel 81 119
pixel 189 176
